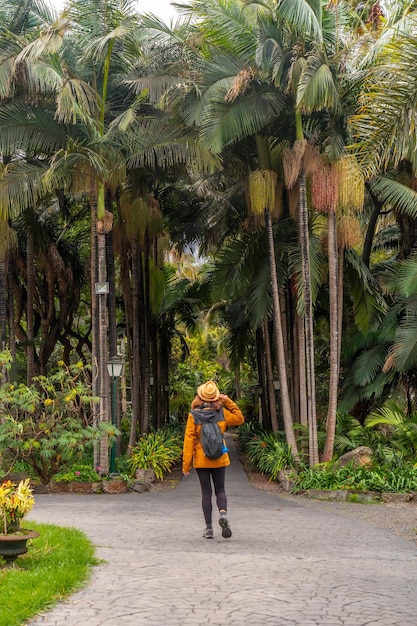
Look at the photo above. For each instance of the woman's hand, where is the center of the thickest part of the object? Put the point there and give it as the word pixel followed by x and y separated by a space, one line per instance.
pixel 223 397
pixel 185 473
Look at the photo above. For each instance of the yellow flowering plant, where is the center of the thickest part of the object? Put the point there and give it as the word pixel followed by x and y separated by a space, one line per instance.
pixel 48 425
pixel 16 500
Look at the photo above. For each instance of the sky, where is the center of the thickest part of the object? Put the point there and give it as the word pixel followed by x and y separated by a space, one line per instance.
pixel 161 8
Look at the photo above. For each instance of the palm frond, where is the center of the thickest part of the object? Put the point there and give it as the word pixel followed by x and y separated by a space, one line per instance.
pixel 303 17
pixel 388 415
pixel 96 49
pixel 47 44
pixel 77 101
pixel 225 123
pixel 404 350
pixel 21 186
pixel 402 198
pixel 368 303
pixel 385 125
pixel 316 87
pixel 402 277
pixel 29 128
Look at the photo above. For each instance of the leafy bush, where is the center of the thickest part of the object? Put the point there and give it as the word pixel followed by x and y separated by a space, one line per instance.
pixel 158 450
pixel 46 425
pixel 77 473
pixel 388 431
pixel 268 453
pixel 379 479
pixel 246 432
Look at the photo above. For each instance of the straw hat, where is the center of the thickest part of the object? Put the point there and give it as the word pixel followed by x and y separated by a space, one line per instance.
pixel 209 392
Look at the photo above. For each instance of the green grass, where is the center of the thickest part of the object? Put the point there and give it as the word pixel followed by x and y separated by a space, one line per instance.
pixel 57 563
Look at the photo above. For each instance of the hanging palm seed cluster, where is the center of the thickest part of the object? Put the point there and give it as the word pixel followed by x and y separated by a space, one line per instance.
pixel 293 161
pixel 262 193
pixel 325 187
pixel 240 84
pixel 350 201
pixel 351 185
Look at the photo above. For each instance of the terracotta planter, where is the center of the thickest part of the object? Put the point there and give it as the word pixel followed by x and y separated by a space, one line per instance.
pixel 11 546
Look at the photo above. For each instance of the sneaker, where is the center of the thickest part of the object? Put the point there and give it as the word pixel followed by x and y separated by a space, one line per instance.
pixel 208 533
pixel 226 530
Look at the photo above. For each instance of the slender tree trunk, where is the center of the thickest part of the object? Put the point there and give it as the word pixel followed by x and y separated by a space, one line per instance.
pixel 302 374
pixel 3 303
pixel 334 340
pixel 340 277
pixel 272 401
pixel 30 291
pixel 3 314
pixel 370 228
pixel 136 380
pixel 146 366
pixel 104 382
pixel 11 306
pixel 94 331
pixel 281 360
pixel 111 310
pixel 308 323
pixel 237 383
pixel 260 359
pixel 111 298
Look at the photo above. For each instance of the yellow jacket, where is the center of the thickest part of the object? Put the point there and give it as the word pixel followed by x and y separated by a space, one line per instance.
pixel 193 453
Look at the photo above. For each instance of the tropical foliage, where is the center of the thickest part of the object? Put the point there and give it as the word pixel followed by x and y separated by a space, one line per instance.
pixel 157 450
pixel 16 501
pixel 48 424
pixel 247 177
pixel 378 479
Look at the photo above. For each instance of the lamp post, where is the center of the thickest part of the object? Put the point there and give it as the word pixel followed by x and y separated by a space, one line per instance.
pixel 114 368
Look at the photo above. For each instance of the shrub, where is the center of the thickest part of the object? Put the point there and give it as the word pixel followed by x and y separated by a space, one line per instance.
pixel 158 450
pixel 16 501
pixel 267 451
pixel 246 432
pixel 379 479
pixel 77 473
pixel 46 425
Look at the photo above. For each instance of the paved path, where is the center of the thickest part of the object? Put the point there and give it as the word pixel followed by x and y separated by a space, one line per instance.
pixel 284 565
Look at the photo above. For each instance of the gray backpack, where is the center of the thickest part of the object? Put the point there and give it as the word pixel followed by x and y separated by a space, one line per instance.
pixel 211 437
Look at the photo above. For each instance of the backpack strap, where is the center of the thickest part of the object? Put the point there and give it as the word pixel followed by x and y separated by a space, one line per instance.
pixel 218 417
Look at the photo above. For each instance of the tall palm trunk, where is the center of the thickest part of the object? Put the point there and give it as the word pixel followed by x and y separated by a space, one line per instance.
pixel 95 383
pixel 145 356
pixel 334 341
pixel 3 305
pixel 308 322
pixel 103 348
pixel 136 379
pixel 270 380
pixel 113 348
pixel 260 361
pixel 279 340
pixel 340 288
pixel 30 294
pixel 11 306
pixel 302 375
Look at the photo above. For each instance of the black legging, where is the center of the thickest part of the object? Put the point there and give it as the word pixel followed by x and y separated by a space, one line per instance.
pixel 206 475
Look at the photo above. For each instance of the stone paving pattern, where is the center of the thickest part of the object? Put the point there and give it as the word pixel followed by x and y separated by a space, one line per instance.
pixel 284 565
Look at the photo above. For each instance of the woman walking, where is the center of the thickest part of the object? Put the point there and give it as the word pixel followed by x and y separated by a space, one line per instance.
pixel 210 406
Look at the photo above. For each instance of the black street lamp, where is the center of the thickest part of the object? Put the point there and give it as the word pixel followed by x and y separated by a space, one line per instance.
pixel 114 368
